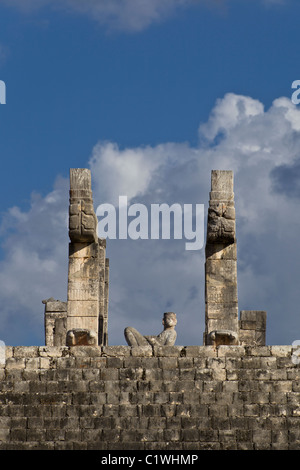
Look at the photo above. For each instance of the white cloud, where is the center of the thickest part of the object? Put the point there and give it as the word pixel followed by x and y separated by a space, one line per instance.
pixel 148 277
pixel 228 113
pixel 253 143
pixel 124 15
pixel 132 15
pixel 130 170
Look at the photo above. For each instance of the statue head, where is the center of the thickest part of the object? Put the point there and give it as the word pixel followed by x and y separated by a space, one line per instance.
pixel 169 319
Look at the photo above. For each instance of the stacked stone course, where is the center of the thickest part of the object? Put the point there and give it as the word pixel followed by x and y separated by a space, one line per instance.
pixel 177 398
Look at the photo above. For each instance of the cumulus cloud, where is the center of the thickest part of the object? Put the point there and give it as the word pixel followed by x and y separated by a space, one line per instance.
pixel 148 277
pixel 130 170
pixel 257 145
pixel 228 112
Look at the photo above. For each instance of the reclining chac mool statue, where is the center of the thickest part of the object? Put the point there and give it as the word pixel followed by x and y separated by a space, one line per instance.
pixel 166 338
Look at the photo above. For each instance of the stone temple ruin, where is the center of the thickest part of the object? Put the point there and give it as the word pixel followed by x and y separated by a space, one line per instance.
pixel 83 318
pixel 76 392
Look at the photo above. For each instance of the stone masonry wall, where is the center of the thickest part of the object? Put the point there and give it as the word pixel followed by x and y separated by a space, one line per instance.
pixel 177 398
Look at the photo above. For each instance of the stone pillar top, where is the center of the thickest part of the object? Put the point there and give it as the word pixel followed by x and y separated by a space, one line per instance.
pixel 80 178
pixel 222 180
pixel 221 187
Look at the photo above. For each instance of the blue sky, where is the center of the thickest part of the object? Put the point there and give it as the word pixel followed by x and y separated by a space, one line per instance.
pixel 164 90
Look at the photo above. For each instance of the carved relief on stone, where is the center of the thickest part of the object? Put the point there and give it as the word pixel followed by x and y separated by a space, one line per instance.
pixel 81 337
pixel 82 218
pixel 220 223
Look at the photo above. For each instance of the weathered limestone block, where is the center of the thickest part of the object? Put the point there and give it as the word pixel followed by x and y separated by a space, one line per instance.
pixel 55 319
pixel 82 268
pixel 221 271
pixel 216 311
pixel 217 295
pixel 81 337
pixel 83 289
pixel 253 327
pixel 222 181
pixel 222 337
pixel 215 251
pixel 81 310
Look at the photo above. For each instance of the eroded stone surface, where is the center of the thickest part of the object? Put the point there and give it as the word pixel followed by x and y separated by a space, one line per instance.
pixel 81 337
pixel 174 397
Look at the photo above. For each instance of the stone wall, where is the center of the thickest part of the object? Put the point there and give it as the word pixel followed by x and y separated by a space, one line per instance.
pixel 177 398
